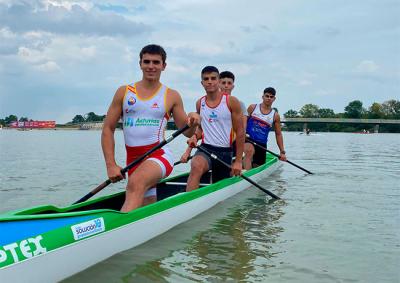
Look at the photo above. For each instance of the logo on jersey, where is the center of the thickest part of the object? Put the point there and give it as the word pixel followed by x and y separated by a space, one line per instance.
pixel 212 117
pixel 140 122
pixel 131 101
pixel 155 105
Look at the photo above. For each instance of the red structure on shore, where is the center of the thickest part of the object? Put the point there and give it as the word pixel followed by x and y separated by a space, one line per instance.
pixel 34 124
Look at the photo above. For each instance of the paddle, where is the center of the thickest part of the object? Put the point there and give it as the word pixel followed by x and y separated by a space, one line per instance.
pixel 135 162
pixel 277 155
pixel 212 155
pixel 179 162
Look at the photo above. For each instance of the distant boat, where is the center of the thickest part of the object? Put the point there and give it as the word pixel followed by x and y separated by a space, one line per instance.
pixel 363 132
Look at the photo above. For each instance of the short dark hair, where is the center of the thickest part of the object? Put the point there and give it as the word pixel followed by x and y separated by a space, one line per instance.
pixel 227 74
pixel 270 90
pixel 153 49
pixel 209 69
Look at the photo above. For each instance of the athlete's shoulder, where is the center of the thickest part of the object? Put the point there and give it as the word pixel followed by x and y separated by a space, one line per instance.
pixel 251 108
pixel 121 91
pixel 276 114
pixel 233 101
pixel 172 93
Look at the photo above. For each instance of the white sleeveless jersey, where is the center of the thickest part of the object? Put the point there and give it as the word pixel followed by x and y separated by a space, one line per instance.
pixel 216 123
pixel 144 120
pixel 267 118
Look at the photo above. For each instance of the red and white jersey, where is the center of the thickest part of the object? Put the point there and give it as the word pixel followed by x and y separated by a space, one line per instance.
pixel 144 120
pixel 216 123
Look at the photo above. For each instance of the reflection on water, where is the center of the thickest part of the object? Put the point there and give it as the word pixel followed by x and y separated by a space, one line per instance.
pixel 232 242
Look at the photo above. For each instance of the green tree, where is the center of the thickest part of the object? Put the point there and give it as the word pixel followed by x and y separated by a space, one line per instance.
pixel 391 109
pixel 354 109
pixel 78 119
pixel 291 114
pixel 326 113
pixel 23 119
pixel 309 111
pixel 375 111
pixel 92 117
pixel 2 122
pixel 10 119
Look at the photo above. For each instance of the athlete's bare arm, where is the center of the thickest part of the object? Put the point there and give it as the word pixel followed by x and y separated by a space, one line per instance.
pixel 107 136
pixel 179 114
pixel 237 124
pixel 279 136
pixel 250 109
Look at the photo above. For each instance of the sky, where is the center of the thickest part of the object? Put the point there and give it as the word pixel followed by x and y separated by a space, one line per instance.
pixel 63 58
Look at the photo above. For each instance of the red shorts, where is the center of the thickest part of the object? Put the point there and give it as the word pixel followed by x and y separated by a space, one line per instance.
pixel 163 157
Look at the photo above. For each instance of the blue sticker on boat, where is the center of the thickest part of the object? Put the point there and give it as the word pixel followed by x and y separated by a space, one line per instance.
pixel 13 231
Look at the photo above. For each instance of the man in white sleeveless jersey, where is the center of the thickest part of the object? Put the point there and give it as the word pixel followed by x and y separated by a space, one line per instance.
pixel 261 118
pixel 226 85
pixel 221 117
pixel 145 108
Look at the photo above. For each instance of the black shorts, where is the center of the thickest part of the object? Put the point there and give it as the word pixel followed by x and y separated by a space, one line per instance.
pixel 219 171
pixel 259 154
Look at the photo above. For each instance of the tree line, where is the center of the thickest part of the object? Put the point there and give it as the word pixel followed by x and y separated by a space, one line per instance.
pixel 87 118
pixel 12 118
pixel 387 110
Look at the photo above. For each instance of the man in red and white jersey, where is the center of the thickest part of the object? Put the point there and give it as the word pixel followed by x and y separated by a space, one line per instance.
pixel 221 118
pixel 145 108
pixel 226 85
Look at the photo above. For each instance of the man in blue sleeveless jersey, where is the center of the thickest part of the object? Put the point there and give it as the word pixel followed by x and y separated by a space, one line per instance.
pixel 261 119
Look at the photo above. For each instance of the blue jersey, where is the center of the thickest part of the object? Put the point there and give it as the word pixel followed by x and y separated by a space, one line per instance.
pixel 259 125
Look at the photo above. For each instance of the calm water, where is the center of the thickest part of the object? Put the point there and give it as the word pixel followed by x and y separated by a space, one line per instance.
pixel 340 225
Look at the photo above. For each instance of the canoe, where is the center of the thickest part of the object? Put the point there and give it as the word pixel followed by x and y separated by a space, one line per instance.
pixel 48 244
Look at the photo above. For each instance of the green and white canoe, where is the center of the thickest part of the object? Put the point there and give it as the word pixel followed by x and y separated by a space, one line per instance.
pixel 48 244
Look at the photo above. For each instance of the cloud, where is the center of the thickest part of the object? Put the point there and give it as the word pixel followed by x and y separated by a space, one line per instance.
pixel 329 31
pixel 31 55
pixel 367 66
pixel 48 67
pixel 325 92
pixel 88 52
pixel 68 18
pixel 180 69
pixel 305 83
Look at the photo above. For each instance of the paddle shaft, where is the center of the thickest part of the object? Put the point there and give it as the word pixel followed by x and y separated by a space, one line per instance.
pixel 212 155
pixel 132 164
pixel 277 155
pixel 179 162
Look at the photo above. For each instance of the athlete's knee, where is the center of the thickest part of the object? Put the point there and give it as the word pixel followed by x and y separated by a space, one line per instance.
pixel 136 184
pixel 198 168
pixel 249 149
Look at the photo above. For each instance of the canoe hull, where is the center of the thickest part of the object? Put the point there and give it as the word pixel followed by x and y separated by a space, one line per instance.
pixel 84 253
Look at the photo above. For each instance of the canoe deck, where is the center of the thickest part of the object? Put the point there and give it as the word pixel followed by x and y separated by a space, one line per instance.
pixel 165 189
